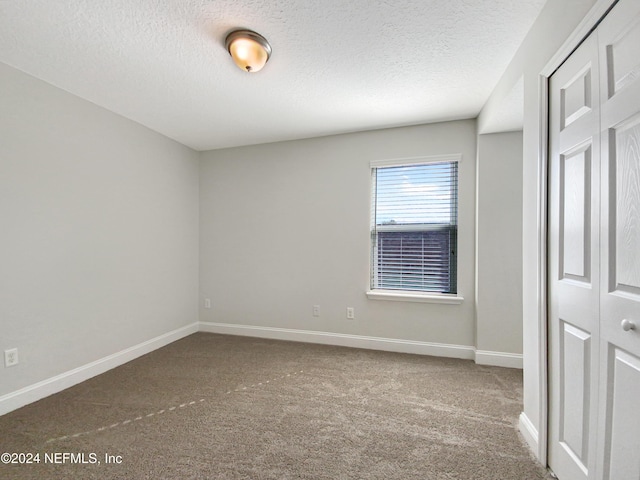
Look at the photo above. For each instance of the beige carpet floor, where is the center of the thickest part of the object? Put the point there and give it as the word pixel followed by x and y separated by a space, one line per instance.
pixel 223 407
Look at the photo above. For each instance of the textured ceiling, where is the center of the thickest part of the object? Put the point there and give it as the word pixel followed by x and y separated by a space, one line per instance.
pixel 337 66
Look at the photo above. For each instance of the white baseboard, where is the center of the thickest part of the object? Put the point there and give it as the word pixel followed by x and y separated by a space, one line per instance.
pixel 529 432
pixel 343 340
pixel 499 359
pixel 481 357
pixel 32 393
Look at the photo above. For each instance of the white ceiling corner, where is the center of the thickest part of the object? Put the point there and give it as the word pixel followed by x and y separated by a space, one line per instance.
pixel 336 66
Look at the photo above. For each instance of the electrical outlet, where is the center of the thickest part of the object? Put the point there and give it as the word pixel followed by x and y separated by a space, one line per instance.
pixel 207 303
pixel 11 357
pixel 351 313
pixel 316 310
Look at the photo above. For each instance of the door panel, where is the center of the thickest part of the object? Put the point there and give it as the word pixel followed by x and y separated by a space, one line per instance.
pixel 622 61
pixel 575 355
pixel 622 417
pixel 575 214
pixel 619 412
pixel 575 98
pixel 625 206
pixel 573 263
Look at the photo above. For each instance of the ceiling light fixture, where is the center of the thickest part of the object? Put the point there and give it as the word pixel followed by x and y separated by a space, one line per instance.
pixel 249 50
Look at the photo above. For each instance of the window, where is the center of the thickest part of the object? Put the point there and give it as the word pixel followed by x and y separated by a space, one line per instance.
pixel 414 225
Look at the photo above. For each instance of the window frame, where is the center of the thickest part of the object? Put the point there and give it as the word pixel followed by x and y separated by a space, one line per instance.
pixel 398 294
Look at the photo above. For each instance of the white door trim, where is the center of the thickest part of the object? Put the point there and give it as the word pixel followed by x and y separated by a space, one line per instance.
pixel 588 23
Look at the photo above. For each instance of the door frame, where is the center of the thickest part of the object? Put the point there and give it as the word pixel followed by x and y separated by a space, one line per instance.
pixel 582 31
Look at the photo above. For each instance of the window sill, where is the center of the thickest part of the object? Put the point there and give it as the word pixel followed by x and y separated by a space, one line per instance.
pixel 404 296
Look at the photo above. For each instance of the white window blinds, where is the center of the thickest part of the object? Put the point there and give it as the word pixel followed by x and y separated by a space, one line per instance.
pixel 414 227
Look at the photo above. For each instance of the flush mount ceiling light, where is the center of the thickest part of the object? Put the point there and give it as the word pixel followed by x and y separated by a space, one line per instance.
pixel 249 50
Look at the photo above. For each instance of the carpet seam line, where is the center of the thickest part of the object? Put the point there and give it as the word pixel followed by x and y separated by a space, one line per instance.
pixel 160 412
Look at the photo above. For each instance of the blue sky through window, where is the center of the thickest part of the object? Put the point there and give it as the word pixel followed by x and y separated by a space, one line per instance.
pixel 416 194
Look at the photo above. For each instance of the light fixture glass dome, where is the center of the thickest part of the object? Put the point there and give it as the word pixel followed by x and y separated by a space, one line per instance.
pixel 249 50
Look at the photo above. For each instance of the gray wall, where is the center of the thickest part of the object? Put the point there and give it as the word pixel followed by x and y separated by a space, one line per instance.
pixel 554 25
pixel 499 243
pixel 99 221
pixel 285 226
